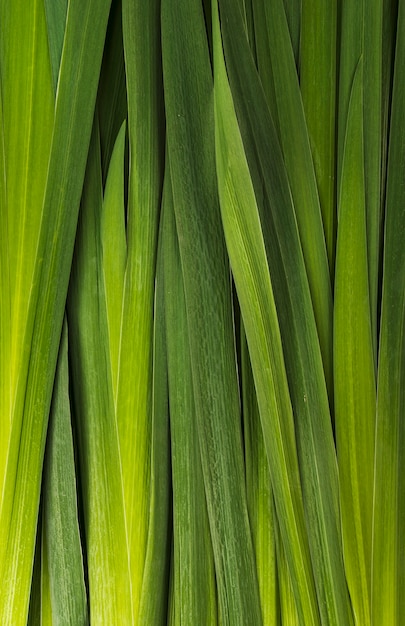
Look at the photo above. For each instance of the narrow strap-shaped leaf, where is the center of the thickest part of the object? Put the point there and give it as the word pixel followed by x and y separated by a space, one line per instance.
pixel 46 602
pixel 318 80
pixel 388 598
pixel 361 35
pixel 27 115
pixel 355 386
pixel 84 39
pixel 99 454
pixel 60 516
pixel 194 602
pixel 293 12
pixel 34 613
pixel 259 494
pixel 56 12
pixel 297 155
pixel 190 135
pixel 114 250
pixel 297 323
pixel 141 30
pixel 249 266
pixel 112 95
pixel 288 607
pixel 155 589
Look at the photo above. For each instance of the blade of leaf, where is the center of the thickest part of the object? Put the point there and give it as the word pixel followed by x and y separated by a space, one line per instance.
pixel 295 316
pixel 248 261
pixel 141 31
pixel 194 601
pixel 56 12
pixel 103 502
pixel 114 250
pixel 85 31
pixel 318 88
pixel 295 145
pixel 155 588
pixel 388 577
pixel 190 134
pixel 361 35
pixel 355 386
pixel 112 96
pixel 62 544
pixel 259 494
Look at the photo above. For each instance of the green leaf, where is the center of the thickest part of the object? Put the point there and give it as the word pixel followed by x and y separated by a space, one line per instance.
pixel 155 588
pixel 259 494
pixel 388 601
pixel 274 226
pixel 61 536
pixel 99 454
pixel 247 254
pixel 361 36
pixel 141 30
pixel 194 599
pixel 355 385
pixel 318 83
pixel 114 250
pixel 190 135
pixel 56 13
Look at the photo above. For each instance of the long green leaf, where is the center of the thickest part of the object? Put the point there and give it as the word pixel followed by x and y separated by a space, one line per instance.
pixel 361 35
pixel 195 600
pixel 355 385
pixel 190 134
pixel 318 83
pixel 260 494
pixel 141 32
pixel 316 450
pixel 100 468
pixel 155 589
pixel 60 516
pixel 84 39
pixel 388 601
pixel 248 261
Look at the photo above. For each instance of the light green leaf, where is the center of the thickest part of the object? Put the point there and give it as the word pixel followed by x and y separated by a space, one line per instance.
pixel 99 454
pixel 62 550
pixel 141 30
pixel 355 385
pixel 114 250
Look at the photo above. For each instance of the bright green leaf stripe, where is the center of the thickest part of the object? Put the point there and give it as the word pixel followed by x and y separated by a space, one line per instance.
pixel 155 588
pixel 388 599
pixel 190 134
pixel 5 313
pixel 193 563
pixel 59 512
pixel 103 504
pixel 288 607
pixel 248 260
pixel 114 250
pixel 143 71
pixel 361 35
pixel 259 494
pixel 355 388
pixel 84 40
pixel 27 121
pixel 318 88
pixel 316 449
pixel 296 149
